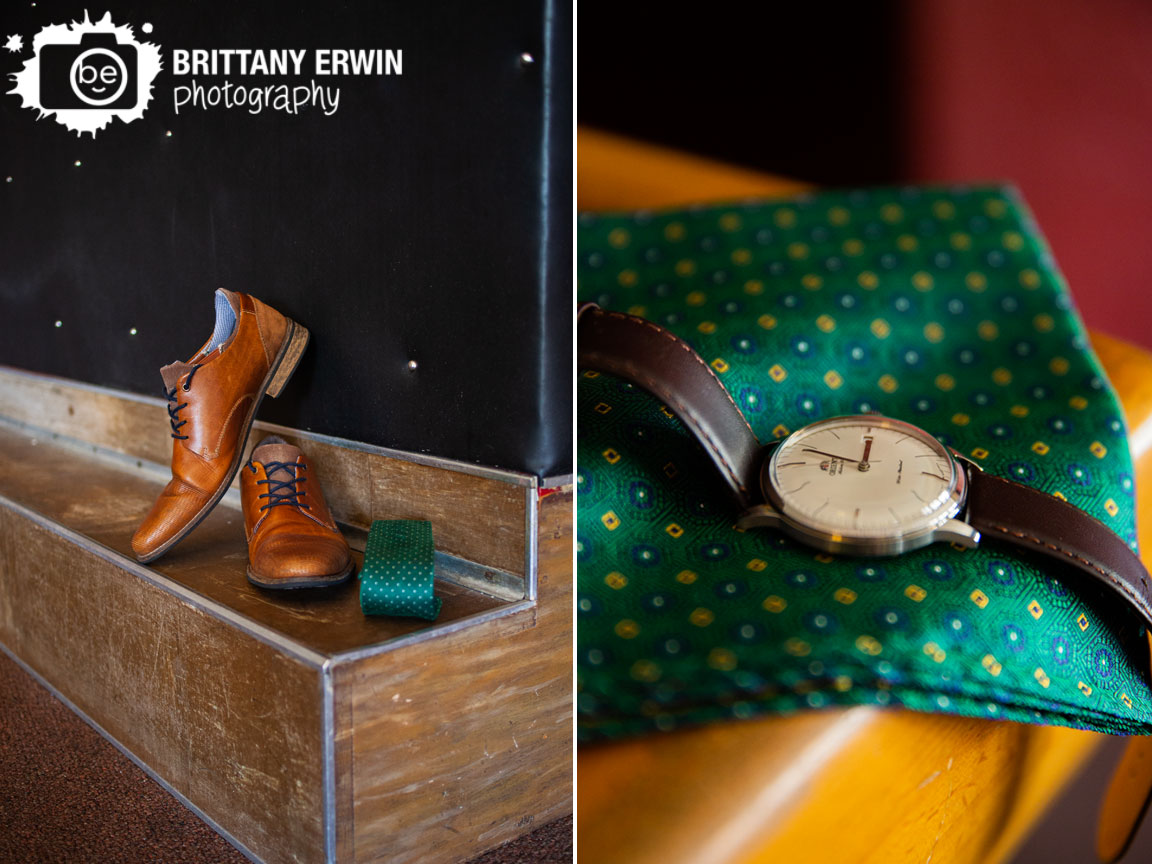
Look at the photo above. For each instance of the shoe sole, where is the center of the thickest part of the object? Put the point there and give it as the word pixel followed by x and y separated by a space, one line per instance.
pixel 302 581
pixel 286 362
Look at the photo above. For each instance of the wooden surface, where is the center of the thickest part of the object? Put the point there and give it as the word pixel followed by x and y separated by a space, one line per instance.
pixel 488 515
pixel 106 502
pixel 475 739
pixel 451 738
pixel 614 173
pixel 1130 370
pixel 860 784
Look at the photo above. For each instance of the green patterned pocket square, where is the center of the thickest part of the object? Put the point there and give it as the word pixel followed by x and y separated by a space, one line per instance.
pixel 397 577
pixel 941 307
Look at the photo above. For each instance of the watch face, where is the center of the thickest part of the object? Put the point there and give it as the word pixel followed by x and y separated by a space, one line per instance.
pixel 867 483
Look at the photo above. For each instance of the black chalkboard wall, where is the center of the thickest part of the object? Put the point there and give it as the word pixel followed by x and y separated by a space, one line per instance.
pixel 427 219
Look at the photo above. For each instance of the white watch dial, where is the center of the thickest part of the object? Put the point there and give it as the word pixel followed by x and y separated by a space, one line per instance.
pixel 863 477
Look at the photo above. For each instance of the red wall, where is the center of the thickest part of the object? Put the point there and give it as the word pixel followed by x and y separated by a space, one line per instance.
pixel 1057 98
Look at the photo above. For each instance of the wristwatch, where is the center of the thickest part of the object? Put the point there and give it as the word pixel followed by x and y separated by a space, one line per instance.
pixel 873 485
pixel 857 485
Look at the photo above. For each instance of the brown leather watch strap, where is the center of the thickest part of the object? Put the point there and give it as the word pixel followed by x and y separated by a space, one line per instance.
pixel 1026 517
pixel 653 358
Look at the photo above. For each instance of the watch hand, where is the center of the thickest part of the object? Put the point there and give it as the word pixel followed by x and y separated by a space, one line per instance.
pixel 830 455
pixel 834 456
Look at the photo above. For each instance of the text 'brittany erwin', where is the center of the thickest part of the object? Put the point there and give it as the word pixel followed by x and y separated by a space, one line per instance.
pixel 276 96
pixel 287 61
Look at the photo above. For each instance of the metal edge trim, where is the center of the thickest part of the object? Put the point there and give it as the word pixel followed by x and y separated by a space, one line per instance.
pixel 449 567
pixel 503 475
pixel 447 561
pixel 557 481
pixel 531 541
pixel 516 478
pixel 139 763
pixel 428 633
pixel 209 607
pixel 328 761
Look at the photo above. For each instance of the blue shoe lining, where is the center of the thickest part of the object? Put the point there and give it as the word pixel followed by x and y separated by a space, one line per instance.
pixel 225 323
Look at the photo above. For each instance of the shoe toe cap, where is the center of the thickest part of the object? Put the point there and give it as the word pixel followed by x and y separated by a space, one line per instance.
pixel 297 558
pixel 176 508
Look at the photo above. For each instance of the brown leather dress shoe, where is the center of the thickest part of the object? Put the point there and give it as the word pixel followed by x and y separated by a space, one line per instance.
pixel 292 540
pixel 212 401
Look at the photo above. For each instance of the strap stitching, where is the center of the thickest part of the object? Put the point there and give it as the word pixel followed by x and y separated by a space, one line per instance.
pixel 682 408
pixel 691 352
pixel 699 429
pixel 1107 574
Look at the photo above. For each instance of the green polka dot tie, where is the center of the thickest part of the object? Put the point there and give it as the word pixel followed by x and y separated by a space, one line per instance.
pixel 941 307
pixel 396 578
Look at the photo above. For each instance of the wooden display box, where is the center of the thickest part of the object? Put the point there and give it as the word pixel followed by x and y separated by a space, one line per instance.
pixel 299 728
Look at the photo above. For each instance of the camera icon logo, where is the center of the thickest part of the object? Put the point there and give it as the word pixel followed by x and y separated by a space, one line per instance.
pixel 88 73
pixel 97 73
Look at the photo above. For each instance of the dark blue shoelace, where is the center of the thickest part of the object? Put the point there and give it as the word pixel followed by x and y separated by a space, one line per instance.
pixel 174 407
pixel 281 491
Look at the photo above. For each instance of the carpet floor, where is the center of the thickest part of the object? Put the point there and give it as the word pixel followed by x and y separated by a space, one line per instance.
pixel 67 795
